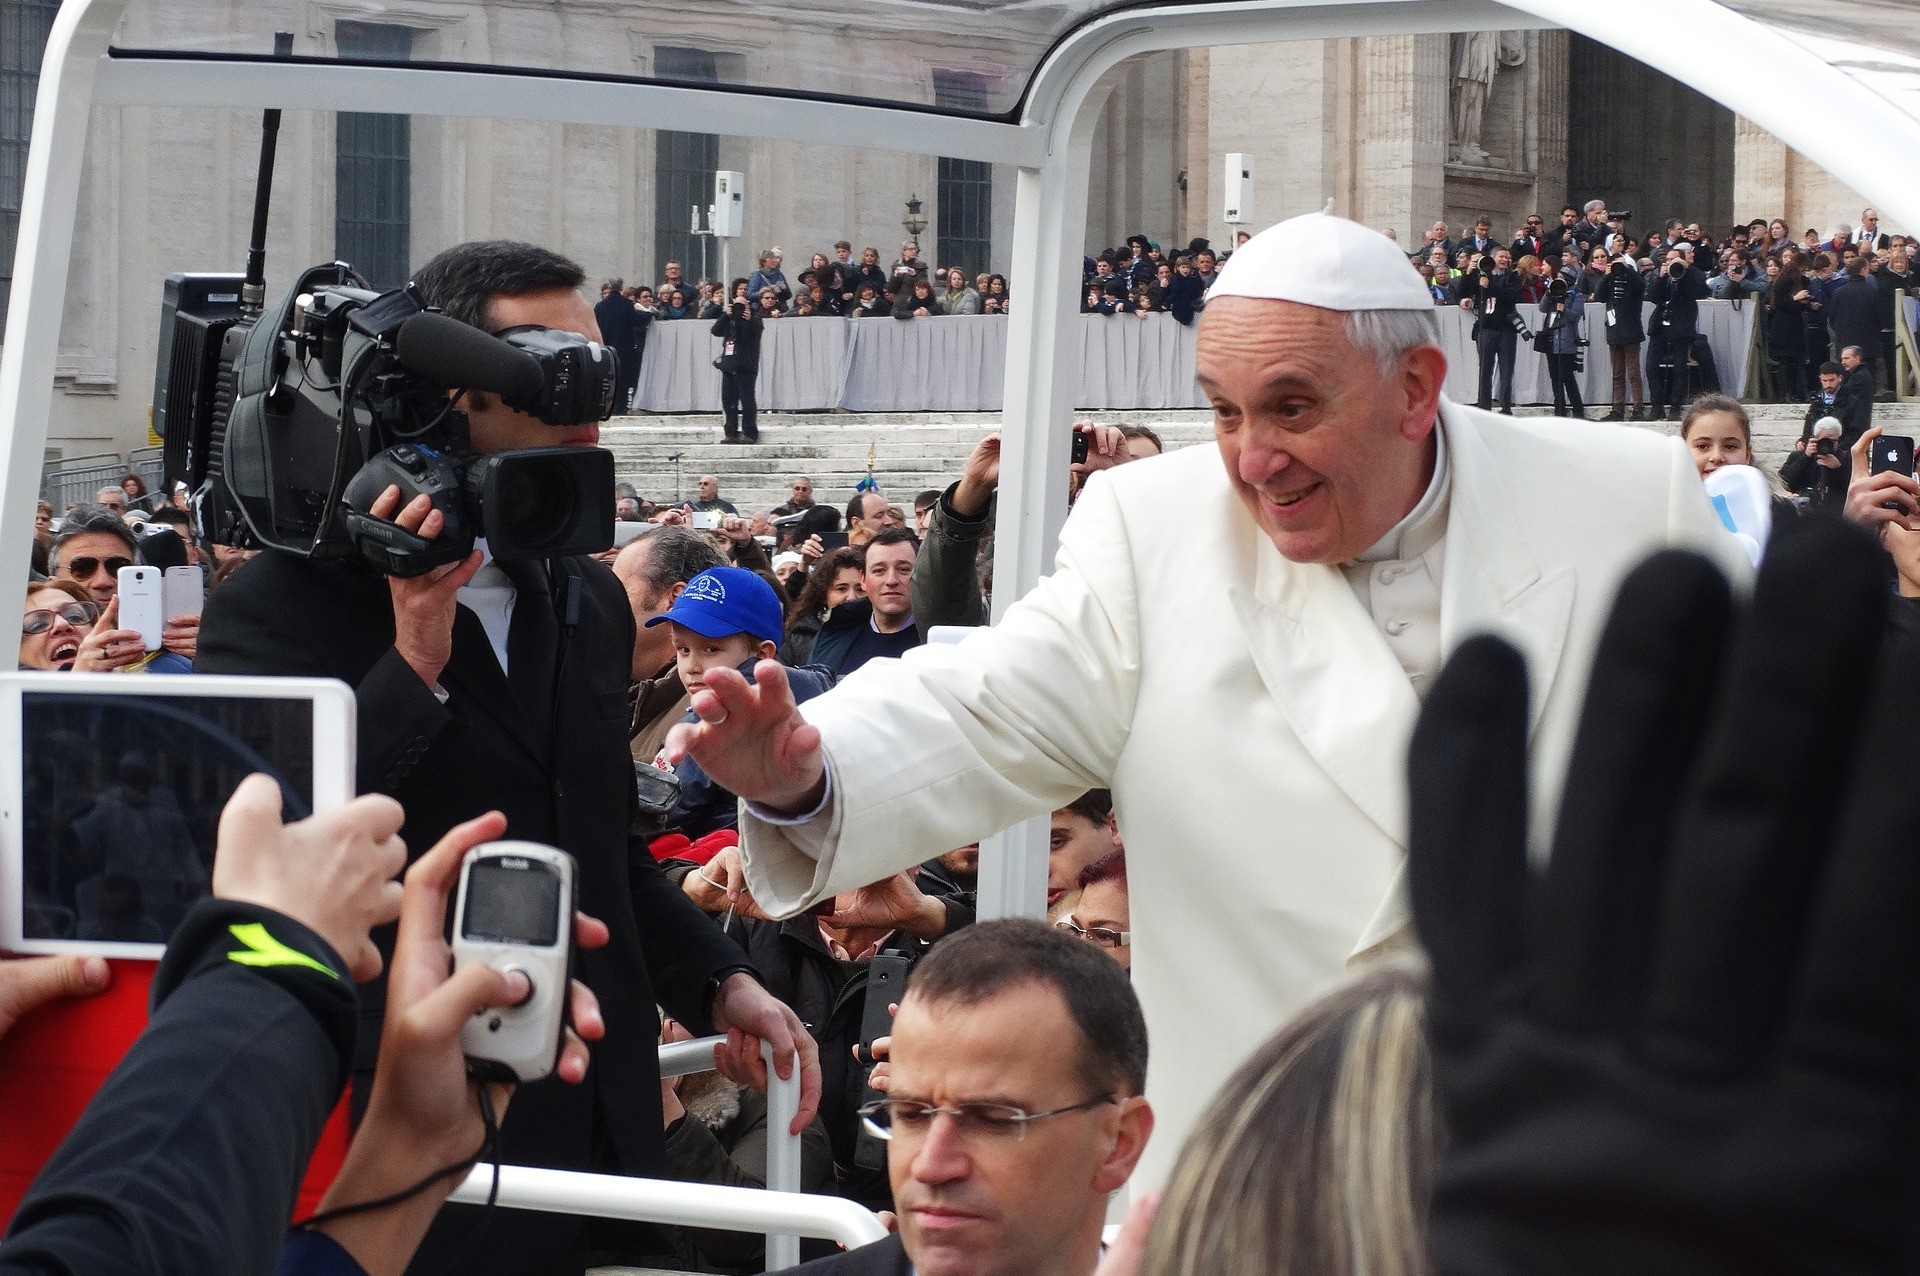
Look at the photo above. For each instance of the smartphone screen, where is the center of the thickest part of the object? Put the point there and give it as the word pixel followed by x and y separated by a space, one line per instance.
pixel 1080 439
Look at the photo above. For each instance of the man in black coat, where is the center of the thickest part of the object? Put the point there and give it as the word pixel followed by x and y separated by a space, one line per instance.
pixel 1676 293
pixel 1492 296
pixel 1853 313
pixel 620 330
pixel 492 684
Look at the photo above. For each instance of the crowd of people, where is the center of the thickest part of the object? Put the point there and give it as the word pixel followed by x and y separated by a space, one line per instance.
pixel 1586 280
pixel 776 801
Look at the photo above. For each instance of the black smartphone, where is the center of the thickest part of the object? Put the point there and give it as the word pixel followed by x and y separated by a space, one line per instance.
pixel 832 540
pixel 1080 440
pixel 886 984
pixel 1892 452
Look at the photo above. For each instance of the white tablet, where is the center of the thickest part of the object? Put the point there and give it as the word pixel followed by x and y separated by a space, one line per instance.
pixel 111 798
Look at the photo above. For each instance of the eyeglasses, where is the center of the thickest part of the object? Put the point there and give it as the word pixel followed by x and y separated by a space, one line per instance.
pixel 86 565
pixel 997 1122
pixel 1104 936
pixel 40 619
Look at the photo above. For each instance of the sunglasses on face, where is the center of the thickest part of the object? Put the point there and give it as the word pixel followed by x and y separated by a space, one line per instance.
pixel 86 566
pixel 79 615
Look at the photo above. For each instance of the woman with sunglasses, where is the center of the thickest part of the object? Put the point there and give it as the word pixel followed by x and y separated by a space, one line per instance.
pixel 64 631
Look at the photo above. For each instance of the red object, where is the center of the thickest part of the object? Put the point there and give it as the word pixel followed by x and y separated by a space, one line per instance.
pixel 675 846
pixel 57 1057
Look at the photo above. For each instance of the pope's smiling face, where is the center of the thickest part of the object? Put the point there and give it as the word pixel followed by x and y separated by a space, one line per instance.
pixel 1326 451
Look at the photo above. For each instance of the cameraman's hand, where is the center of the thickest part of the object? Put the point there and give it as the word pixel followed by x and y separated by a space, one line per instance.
pixel 333 872
pixel 811 549
pixel 979 479
pixel 423 607
pixel 424 1114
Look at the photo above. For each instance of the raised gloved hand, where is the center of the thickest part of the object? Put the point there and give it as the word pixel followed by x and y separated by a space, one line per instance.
pixel 1692 1044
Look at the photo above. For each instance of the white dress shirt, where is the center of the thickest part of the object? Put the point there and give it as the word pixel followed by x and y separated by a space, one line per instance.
pixel 1398 579
pixel 489 596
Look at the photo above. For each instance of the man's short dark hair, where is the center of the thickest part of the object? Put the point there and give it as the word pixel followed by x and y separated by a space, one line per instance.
pixel 1093 806
pixel 1143 432
pixel 889 536
pixel 88 517
pixel 462 280
pixel 985 959
pixel 675 555
pixel 927 499
pixel 1831 367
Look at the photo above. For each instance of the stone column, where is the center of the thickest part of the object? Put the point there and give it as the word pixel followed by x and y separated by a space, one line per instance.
pixel 1550 110
pixel 1388 148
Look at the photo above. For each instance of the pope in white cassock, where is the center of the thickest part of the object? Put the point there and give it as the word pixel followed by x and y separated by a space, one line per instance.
pixel 1235 640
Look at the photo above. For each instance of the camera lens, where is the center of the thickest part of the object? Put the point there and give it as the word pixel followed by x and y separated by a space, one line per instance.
pixel 533 506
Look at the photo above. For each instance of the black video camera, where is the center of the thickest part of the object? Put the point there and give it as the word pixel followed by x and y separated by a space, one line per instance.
pixel 287 424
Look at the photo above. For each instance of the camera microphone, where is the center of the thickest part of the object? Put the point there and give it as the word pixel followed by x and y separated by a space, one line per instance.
pixel 458 355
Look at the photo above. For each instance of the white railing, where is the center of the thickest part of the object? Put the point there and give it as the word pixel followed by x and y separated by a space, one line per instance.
pixel 781 1210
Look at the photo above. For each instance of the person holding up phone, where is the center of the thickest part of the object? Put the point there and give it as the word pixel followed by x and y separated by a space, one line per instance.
pixel 739 330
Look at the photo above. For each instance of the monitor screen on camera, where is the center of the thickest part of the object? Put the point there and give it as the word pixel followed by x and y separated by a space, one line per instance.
pixel 119 800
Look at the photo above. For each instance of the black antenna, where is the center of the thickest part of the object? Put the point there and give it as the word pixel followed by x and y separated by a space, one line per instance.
pixel 253 290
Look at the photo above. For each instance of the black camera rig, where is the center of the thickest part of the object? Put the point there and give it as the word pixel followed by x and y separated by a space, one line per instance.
pixel 287 423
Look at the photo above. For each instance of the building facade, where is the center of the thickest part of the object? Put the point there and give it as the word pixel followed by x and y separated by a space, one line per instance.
pixel 1394 131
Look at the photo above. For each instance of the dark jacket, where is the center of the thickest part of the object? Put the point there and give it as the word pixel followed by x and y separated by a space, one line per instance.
pixel 745 336
pixel 1676 305
pixel 188 1158
pixel 722 1140
pixel 837 633
pixel 1185 297
pixel 1560 321
pixel 1493 298
pixel 798 648
pixel 908 301
pixel 564 778
pixel 1621 294
pixel 1853 312
pixel 1786 320
pixel 1823 487
pixel 946 584
pixel 885 1257
pixel 704 805
pixel 619 325
pixel 830 997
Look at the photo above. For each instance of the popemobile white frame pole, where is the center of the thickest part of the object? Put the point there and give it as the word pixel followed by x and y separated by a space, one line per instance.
pixel 1813 106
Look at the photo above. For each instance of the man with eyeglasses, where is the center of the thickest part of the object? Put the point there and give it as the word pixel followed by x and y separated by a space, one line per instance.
pixel 91 547
pixel 1013 1107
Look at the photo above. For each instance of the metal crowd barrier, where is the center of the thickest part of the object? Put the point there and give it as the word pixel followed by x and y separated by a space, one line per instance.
pixel 782 1211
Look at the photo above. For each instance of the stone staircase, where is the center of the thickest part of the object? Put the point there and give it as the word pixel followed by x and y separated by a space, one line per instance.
pixel 915 451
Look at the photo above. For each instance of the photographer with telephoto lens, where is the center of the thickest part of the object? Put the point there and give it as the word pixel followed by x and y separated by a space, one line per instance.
pixel 1676 293
pixel 1492 295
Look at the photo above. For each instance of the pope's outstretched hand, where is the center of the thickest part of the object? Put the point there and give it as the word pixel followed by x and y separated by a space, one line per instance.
pixel 751 739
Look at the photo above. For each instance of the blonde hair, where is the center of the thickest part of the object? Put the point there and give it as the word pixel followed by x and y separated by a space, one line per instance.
pixel 1316 1159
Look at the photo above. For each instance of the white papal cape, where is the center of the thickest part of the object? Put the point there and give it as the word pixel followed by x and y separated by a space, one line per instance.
pixel 1247 714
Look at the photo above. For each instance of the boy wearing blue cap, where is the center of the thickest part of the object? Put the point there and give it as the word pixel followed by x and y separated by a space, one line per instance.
pixel 726 618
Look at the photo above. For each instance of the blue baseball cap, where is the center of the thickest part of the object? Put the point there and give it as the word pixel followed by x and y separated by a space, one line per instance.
pixel 723 601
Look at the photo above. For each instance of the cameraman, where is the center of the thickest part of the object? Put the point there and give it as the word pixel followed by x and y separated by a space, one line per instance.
pixel 1737 280
pixel 1817 467
pixel 1560 314
pixel 738 328
pixel 502 684
pixel 1620 291
pixel 1492 296
pixel 1676 293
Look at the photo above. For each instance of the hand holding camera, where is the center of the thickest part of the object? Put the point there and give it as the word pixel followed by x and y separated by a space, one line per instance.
pixel 424 606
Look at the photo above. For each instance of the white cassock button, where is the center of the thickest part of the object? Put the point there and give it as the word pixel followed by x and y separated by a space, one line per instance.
pixel 1396 627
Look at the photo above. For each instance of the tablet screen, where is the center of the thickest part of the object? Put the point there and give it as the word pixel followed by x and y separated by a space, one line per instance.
pixel 121 800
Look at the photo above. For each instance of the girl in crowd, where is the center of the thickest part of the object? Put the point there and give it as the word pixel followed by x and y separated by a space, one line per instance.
pixel 918 301
pixel 834 579
pixel 870 302
pixel 960 299
pixel 994 300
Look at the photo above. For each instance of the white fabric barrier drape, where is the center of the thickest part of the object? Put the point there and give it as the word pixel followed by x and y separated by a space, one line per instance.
pixel 957 363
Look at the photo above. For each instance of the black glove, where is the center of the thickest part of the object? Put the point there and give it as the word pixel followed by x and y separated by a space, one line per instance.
pixel 1690 1045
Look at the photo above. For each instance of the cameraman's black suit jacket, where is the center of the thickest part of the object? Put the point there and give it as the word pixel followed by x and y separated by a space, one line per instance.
pixel 492 746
